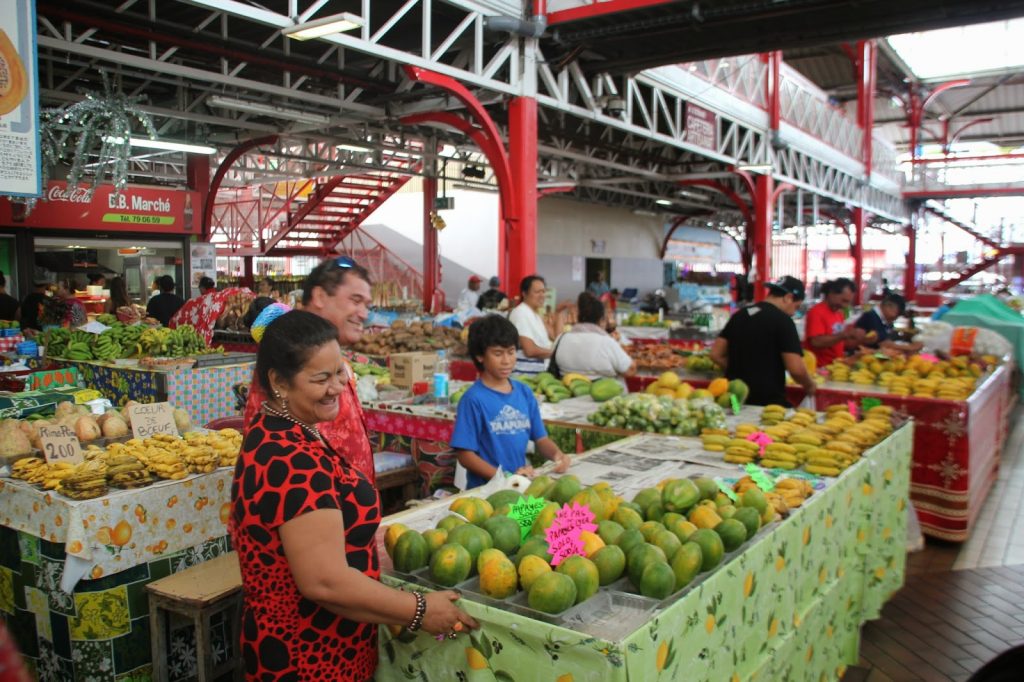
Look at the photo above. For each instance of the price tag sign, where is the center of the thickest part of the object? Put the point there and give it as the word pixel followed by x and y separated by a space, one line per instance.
pixel 525 512
pixel 727 489
pixel 735 403
pixel 151 420
pixel 60 444
pixel 563 535
pixel 761 478
pixel 762 439
pixel 851 405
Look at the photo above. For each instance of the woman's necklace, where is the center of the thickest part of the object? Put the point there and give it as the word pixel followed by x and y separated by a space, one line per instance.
pixel 284 415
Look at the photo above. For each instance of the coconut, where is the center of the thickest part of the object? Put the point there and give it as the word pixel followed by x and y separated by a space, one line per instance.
pixel 86 429
pixel 114 426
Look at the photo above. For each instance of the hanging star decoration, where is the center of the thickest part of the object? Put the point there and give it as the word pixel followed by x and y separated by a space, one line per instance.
pixel 100 120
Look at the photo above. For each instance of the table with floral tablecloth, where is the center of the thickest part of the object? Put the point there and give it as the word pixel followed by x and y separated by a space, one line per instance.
pixel 73 573
pixel 788 607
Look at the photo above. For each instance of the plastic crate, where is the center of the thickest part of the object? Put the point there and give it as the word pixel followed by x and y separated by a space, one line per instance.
pixel 610 615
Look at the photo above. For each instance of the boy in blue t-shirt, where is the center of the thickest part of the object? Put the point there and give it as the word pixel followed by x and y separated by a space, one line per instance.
pixel 497 417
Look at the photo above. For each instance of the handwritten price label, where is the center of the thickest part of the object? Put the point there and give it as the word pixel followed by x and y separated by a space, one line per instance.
pixel 60 444
pixel 525 512
pixel 735 402
pixel 867 403
pixel 563 535
pixel 851 405
pixel 727 489
pixel 151 420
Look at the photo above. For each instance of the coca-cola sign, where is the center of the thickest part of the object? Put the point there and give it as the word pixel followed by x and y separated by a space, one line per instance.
pixel 73 195
pixel 133 209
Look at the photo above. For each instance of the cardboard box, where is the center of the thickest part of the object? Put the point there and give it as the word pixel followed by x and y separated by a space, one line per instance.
pixel 409 368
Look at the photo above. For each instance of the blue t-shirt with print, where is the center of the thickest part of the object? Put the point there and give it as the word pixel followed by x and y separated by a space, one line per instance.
pixel 497 426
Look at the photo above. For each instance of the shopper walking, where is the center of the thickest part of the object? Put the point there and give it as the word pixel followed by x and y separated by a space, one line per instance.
pixel 759 344
pixel 337 290
pixel 8 304
pixel 470 296
pixel 303 522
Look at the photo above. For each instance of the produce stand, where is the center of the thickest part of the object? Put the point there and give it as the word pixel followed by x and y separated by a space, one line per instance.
pixel 103 552
pixel 206 393
pixel 788 606
pixel 956 447
pixel 640 381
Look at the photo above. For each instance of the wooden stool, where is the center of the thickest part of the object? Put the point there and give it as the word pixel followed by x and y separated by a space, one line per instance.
pixel 198 593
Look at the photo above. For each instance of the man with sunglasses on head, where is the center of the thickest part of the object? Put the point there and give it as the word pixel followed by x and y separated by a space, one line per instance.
pixel 337 290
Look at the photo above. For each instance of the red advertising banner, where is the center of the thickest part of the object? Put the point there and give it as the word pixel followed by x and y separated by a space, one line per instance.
pixel 135 209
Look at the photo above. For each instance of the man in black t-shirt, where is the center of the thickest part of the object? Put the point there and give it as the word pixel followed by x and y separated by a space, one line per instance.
pixel 760 344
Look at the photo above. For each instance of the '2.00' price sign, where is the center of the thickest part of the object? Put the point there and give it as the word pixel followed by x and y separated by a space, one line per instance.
pixel 151 420
pixel 60 444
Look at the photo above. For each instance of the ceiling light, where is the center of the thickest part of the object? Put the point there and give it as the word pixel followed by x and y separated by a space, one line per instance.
pixel 755 167
pixel 167 145
pixel 267 110
pixel 325 26
pixel 663 202
pixel 351 148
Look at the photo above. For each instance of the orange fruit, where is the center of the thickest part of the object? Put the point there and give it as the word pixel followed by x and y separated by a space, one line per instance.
pixel 121 534
pixel 718 387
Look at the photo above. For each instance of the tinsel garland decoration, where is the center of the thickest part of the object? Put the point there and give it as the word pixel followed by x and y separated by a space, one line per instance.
pixel 104 120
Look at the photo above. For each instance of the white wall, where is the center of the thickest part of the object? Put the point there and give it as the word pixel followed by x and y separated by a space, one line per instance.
pixel 568 228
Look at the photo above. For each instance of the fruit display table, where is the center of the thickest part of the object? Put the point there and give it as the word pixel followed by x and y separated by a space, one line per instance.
pixel 789 606
pixel 206 393
pixel 73 573
pixel 638 382
pixel 957 445
pixel 627 333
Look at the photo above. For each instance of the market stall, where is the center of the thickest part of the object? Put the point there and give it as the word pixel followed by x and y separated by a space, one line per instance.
pixel 205 392
pixel 789 605
pixel 957 445
pixel 72 573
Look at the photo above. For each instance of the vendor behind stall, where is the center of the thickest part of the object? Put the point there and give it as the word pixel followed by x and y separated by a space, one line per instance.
pixel 536 331
pixel 166 303
pixel 878 325
pixel 497 417
pixel 588 349
pixel 825 328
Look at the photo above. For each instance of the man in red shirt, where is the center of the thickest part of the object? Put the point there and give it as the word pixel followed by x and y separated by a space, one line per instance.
pixel 825 330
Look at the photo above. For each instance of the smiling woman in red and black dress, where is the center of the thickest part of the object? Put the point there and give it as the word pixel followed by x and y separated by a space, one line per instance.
pixel 303 522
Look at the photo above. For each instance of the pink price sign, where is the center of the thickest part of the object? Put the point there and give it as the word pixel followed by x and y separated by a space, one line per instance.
pixel 762 439
pixel 563 535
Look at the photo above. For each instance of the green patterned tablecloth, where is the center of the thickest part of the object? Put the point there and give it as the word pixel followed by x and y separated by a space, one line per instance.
pixel 788 608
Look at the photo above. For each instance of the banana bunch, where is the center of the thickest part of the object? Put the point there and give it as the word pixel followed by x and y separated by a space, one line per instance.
pixel 745 429
pixel 106 347
pixel 127 471
pixel 773 414
pixel 54 474
pixel 79 350
pixel 154 342
pixel 794 491
pixel 223 444
pixel 715 442
pixel 780 456
pixel 88 480
pixel 741 451
pixel 56 341
pixel 126 336
pixel 29 469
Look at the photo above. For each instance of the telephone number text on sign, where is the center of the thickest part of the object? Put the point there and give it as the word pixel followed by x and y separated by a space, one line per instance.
pixel 137 219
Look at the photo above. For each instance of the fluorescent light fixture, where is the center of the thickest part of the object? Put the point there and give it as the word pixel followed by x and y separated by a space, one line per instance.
pixel 166 145
pixel 755 167
pixel 352 148
pixel 325 26
pixel 267 110
pixel 663 202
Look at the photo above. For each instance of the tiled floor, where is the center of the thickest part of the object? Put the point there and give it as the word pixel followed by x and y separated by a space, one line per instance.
pixel 962 603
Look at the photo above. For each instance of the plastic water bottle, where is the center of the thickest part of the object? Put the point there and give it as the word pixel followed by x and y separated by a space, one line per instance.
pixel 441 380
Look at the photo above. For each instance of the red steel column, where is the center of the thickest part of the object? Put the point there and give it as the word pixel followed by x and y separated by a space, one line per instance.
pixel 521 241
pixel 867 51
pixel 197 178
pixel 910 274
pixel 771 89
pixel 859 217
pixel 764 187
pixel 429 243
